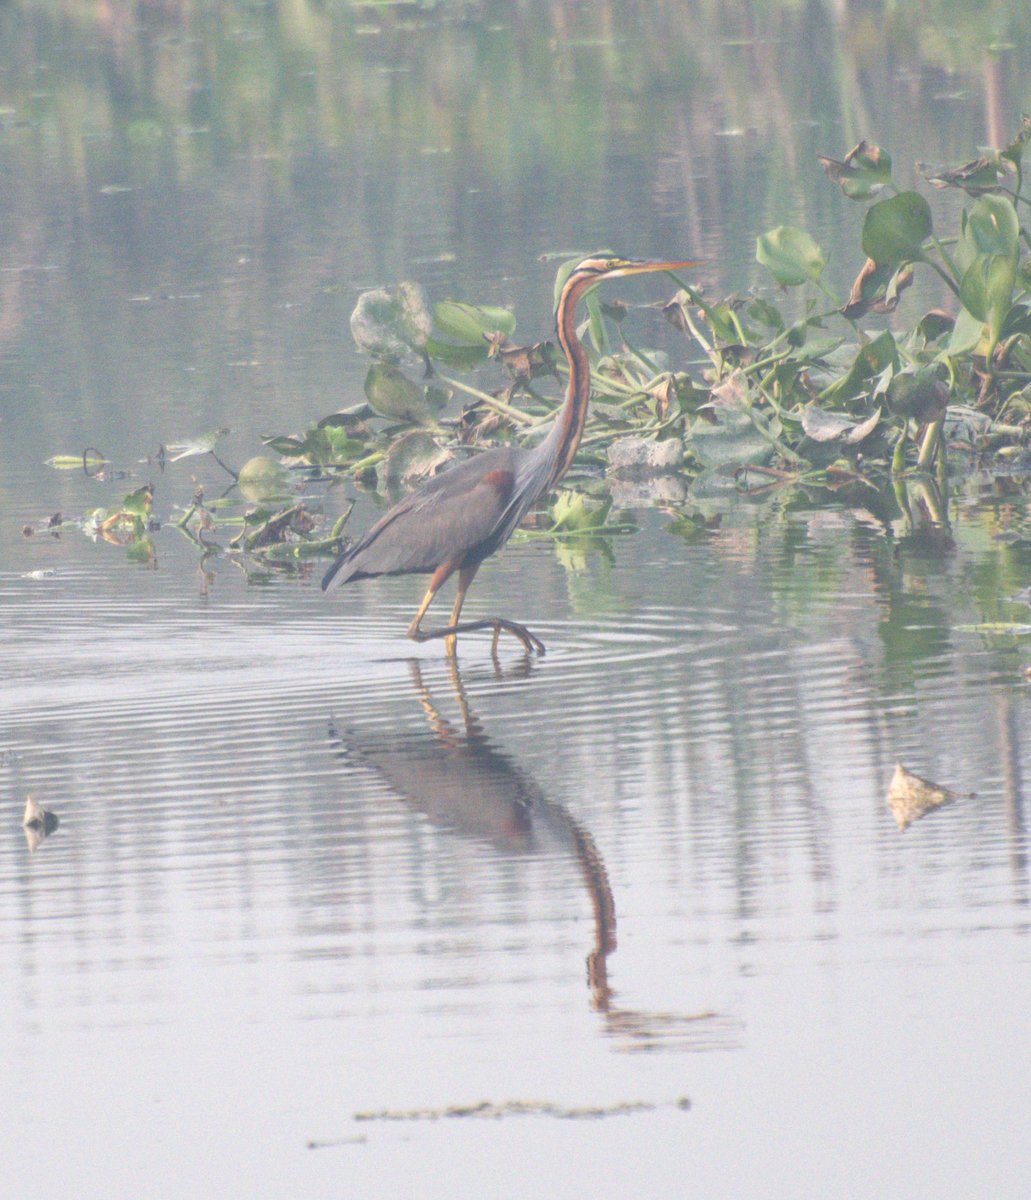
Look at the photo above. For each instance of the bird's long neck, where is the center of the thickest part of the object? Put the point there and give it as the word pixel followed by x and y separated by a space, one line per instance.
pixel 564 439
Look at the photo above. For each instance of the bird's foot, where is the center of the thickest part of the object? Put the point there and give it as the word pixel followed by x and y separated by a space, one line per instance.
pixel 531 643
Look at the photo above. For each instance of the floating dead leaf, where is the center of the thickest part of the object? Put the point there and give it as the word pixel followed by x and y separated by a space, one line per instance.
pixel 865 170
pixel 37 823
pixel 911 797
pixel 824 426
pixel 637 456
pixel 974 177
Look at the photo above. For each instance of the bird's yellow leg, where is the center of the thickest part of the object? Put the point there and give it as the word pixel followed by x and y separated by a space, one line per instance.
pixel 427 600
pixel 465 578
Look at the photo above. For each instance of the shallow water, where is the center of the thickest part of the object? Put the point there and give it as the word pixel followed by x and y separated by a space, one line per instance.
pixel 312 886
pixel 306 872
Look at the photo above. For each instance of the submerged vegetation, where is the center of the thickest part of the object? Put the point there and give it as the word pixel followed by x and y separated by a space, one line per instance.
pixel 815 392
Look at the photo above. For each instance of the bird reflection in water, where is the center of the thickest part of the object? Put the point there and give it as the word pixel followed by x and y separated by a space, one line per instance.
pixel 461 783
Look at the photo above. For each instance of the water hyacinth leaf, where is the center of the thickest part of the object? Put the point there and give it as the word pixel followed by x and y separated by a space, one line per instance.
pixel 992 227
pixel 895 229
pixel 934 324
pixel 352 418
pixel 791 255
pixel 460 357
pixel 877 288
pixel 139 502
pixel 765 313
pixel 571 513
pixel 865 171
pixel 869 362
pixel 986 290
pixel 917 395
pixel 392 394
pixel 966 335
pixel 1014 152
pixel 410 458
pixel 975 177
pixel 470 323
pixel 288 447
pixel 201 445
pixel 261 479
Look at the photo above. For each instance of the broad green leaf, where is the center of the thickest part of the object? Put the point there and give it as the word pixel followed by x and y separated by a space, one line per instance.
pixel 468 323
pixel 966 334
pixel 261 479
pixel 869 362
pixel 920 395
pixel 572 514
pixel 986 290
pixel 452 355
pixel 392 394
pixel 790 255
pixel 992 227
pixel 140 501
pixel 895 229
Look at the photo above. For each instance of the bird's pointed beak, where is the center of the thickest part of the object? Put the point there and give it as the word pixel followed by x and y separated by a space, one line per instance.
pixel 635 267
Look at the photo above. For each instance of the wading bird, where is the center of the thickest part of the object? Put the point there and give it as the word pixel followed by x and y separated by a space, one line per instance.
pixel 458 518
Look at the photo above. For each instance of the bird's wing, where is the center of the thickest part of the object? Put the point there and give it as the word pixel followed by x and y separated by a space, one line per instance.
pixel 450 518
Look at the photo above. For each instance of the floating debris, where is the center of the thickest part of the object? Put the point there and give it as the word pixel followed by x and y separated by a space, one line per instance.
pixel 487 1109
pixel 910 797
pixel 638 456
pixel 38 823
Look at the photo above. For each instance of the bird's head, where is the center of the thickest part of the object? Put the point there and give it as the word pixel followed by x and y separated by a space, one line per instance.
pixel 578 278
pixel 611 266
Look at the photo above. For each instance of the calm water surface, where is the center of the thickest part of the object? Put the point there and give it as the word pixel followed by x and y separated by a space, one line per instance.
pixel 307 872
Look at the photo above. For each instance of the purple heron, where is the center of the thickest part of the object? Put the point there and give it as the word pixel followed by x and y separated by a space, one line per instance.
pixel 458 518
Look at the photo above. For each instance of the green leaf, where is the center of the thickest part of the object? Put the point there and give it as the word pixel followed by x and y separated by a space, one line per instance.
pixel 966 334
pixel 392 394
pixel 262 479
pixel 895 229
pixel 986 290
pixel 469 323
pixel 870 361
pixel 572 514
pixel 140 501
pixel 451 355
pixel 992 227
pixel 790 255
pixel 1014 152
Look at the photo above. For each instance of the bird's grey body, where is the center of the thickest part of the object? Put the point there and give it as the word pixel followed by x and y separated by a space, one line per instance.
pixel 459 517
